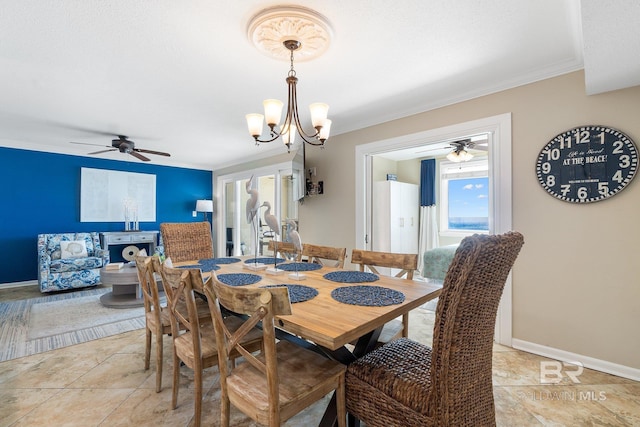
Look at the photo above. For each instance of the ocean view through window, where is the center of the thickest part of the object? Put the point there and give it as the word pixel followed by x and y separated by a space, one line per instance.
pixel 468 204
pixel 464 192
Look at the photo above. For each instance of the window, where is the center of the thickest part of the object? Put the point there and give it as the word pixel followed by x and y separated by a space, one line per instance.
pixel 464 192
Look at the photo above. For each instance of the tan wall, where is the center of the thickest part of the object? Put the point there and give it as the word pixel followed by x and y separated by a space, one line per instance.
pixel 575 284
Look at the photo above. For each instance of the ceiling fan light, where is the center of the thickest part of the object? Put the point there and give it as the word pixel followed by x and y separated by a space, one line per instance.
pixel 254 123
pixel 319 113
pixel 453 157
pixel 465 156
pixel 272 111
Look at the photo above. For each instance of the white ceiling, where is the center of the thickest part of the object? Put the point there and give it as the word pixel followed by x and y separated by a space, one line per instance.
pixel 179 76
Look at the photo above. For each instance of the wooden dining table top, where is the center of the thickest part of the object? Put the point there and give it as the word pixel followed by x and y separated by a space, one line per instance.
pixel 327 322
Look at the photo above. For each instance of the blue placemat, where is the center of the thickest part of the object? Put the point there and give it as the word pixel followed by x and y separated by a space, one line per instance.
pixel 299 266
pixel 351 276
pixel 264 260
pixel 219 261
pixel 239 279
pixel 203 267
pixel 367 295
pixel 297 293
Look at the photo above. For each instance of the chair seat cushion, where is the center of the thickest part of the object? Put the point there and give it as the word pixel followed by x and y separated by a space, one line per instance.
pixel 75 264
pixel 399 369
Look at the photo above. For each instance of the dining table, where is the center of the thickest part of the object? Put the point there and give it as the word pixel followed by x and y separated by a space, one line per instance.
pixel 335 311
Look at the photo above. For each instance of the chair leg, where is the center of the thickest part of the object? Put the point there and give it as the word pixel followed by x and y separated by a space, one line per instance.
pixel 159 357
pixel 197 409
pixel 147 348
pixel 353 421
pixel 225 407
pixel 341 402
pixel 176 380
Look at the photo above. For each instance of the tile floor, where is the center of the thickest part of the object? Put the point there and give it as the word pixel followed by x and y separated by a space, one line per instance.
pixel 102 383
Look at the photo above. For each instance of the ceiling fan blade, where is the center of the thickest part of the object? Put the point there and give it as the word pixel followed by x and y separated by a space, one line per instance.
pixel 103 151
pixel 86 143
pixel 139 156
pixel 159 153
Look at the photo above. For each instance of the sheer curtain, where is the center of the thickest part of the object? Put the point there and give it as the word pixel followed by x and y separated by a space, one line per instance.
pixel 428 238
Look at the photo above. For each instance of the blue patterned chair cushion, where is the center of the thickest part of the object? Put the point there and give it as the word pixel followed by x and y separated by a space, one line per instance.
pixel 75 264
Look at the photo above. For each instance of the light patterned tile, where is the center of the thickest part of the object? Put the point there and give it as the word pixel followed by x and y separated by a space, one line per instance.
pixel 54 371
pixel 509 411
pixel 19 402
pixel 118 371
pixel 146 407
pixel 624 400
pixel 76 407
pixel 559 405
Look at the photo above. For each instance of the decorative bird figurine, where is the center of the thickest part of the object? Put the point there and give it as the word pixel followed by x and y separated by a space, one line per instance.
pixel 252 204
pixel 294 236
pixel 271 219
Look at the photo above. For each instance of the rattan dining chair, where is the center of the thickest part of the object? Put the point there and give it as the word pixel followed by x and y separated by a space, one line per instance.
pixel 196 346
pixel 286 378
pixel 410 384
pixel 321 254
pixel 187 241
pixel 406 263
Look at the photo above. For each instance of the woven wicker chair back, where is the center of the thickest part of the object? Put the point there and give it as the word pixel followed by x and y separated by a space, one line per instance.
pixel 185 241
pixel 461 370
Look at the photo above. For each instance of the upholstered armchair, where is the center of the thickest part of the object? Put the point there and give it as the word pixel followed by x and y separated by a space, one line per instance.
pixel 69 260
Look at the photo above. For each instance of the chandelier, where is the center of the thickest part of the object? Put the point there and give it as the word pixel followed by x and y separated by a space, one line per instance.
pixel 290 27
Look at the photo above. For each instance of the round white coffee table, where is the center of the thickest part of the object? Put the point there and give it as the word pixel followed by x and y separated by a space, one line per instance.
pixel 125 288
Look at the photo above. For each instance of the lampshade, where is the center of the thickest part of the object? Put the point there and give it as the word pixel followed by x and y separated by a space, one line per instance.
pixel 459 156
pixel 204 206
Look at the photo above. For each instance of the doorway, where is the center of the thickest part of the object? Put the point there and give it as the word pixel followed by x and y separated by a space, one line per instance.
pixel 499 163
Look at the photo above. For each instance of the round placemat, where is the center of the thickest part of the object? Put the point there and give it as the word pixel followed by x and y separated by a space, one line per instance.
pixel 264 260
pixel 299 266
pixel 367 295
pixel 219 260
pixel 297 293
pixel 238 279
pixel 351 276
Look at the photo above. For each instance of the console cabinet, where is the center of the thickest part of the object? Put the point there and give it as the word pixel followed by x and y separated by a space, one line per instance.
pixel 121 244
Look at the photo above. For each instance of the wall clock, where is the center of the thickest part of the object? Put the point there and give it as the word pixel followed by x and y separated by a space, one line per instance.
pixel 587 164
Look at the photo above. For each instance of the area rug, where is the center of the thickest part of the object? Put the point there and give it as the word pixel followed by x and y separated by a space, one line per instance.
pixel 41 324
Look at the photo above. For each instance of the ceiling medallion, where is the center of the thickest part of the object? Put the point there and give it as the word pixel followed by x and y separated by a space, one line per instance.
pixel 270 28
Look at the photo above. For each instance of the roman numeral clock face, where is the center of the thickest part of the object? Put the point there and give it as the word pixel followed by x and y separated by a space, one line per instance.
pixel 587 164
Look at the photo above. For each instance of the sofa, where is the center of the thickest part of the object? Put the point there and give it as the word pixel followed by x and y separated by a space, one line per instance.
pixel 69 260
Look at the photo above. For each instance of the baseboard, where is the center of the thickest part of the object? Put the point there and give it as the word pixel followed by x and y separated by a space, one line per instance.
pixel 587 362
pixel 18 284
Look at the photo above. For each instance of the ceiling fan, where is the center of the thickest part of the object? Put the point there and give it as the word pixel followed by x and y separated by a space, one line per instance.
pixel 125 145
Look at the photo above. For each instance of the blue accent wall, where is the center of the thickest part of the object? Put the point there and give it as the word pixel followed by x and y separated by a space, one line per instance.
pixel 40 193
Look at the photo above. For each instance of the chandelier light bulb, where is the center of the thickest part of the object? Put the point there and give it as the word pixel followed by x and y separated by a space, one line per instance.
pixel 272 111
pixel 319 113
pixel 289 135
pixel 254 123
pixel 324 132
